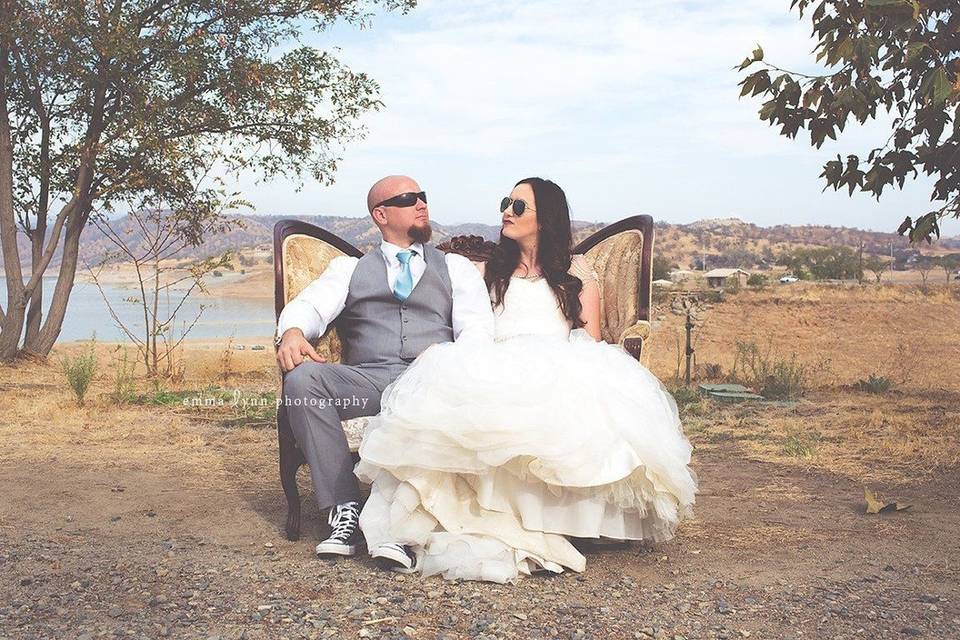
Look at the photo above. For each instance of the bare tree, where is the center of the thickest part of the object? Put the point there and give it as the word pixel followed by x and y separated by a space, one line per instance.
pixel 160 236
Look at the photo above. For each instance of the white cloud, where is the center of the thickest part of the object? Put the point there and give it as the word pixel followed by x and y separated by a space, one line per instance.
pixel 612 99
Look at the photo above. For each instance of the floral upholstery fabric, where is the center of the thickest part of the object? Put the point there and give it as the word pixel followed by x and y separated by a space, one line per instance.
pixel 617 263
pixel 304 259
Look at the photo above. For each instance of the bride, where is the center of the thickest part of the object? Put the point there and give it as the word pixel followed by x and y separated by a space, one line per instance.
pixel 489 451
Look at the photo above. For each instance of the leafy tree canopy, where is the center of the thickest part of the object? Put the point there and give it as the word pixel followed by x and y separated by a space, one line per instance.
pixel 901 55
pixel 117 103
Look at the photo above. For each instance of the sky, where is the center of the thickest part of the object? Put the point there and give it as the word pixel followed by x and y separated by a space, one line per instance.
pixel 631 107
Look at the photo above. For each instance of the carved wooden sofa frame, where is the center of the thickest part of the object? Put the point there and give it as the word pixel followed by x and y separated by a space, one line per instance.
pixel 621 253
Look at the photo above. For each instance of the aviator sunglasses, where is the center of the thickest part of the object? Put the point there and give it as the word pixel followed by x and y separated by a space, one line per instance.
pixel 519 206
pixel 404 199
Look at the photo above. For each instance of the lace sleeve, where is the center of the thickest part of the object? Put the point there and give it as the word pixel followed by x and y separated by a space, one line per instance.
pixel 581 268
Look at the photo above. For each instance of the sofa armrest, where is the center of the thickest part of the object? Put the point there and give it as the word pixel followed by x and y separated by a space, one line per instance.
pixel 634 336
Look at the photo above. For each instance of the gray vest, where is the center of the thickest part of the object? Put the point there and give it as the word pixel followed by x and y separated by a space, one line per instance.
pixel 377 328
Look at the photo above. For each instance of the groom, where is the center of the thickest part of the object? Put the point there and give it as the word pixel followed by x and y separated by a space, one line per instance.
pixel 388 307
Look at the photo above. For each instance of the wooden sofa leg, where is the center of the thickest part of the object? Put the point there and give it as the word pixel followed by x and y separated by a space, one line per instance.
pixel 290 460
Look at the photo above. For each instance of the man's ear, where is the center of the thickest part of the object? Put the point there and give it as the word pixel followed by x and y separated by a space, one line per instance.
pixel 379 216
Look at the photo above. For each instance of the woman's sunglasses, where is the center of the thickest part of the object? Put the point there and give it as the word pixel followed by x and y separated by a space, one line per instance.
pixel 519 206
pixel 404 200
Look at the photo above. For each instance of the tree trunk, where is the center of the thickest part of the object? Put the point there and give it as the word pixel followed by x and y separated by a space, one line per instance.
pixel 45 339
pixel 35 303
pixel 12 325
pixel 35 308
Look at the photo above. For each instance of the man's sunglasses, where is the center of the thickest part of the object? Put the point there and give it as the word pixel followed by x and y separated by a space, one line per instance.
pixel 519 206
pixel 404 200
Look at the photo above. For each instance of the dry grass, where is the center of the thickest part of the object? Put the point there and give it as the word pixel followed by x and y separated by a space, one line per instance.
pixel 904 436
pixel 781 490
pixel 909 433
pixel 747 537
pixel 204 362
pixel 43 422
pixel 898 332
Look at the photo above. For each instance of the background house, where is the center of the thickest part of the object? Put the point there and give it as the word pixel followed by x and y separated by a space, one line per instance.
pixel 717 278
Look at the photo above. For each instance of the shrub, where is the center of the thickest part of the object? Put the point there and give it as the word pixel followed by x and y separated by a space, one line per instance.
pixel 689 401
pixel 660 296
pixel 758 280
pixel 774 376
pixel 874 384
pixel 800 444
pixel 226 361
pixel 662 267
pixel 731 286
pixel 79 369
pixel 685 396
pixel 712 370
pixel 123 385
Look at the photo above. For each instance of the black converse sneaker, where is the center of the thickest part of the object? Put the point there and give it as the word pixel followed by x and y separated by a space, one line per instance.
pixel 344 536
pixel 397 557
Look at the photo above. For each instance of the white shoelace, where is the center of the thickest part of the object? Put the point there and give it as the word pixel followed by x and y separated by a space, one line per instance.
pixel 343 519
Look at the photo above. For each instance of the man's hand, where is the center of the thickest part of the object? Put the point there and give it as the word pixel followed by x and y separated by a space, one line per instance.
pixel 295 348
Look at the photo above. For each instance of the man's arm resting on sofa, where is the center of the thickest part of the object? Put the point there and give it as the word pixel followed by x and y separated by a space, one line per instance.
pixel 308 315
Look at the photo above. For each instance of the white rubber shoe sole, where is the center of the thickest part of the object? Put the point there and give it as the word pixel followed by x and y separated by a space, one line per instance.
pixel 393 557
pixel 336 549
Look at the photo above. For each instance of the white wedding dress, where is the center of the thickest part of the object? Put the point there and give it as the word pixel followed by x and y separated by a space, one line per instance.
pixel 487 453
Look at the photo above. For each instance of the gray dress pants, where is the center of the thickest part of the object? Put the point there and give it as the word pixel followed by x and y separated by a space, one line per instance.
pixel 317 396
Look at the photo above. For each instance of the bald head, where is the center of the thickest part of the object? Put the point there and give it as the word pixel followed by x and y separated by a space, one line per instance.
pixel 388 187
pixel 399 223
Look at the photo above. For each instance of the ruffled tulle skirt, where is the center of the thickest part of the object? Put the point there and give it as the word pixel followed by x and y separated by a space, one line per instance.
pixel 487 455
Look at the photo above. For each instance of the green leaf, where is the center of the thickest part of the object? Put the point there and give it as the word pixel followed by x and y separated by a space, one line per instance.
pixel 913 50
pixel 926 83
pixel 768 109
pixel 811 96
pixel 762 82
pixel 924 227
pixel 941 87
pixel 758 53
pixel 905 226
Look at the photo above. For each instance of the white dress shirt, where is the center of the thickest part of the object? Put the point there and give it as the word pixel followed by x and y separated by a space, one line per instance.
pixel 320 302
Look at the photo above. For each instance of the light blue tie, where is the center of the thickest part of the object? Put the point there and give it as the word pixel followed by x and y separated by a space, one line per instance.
pixel 404 284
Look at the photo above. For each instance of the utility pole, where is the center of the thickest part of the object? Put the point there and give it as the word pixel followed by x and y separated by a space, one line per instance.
pixel 860 263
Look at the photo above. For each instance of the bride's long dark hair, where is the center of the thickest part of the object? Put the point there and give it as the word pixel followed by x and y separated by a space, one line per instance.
pixel 553 251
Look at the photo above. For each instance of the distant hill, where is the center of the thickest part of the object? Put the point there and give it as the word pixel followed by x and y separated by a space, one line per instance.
pixel 713 242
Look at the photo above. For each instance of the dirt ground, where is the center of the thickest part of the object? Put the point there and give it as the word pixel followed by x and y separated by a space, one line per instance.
pixel 161 519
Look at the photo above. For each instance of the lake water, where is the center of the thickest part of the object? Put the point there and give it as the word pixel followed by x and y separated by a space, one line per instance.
pixel 222 317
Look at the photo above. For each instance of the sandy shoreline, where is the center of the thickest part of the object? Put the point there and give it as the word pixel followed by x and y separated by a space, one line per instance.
pixel 254 283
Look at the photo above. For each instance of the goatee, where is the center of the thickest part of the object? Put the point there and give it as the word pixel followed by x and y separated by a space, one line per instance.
pixel 421 234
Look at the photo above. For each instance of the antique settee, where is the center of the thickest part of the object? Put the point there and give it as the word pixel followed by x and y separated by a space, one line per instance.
pixel 621 254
